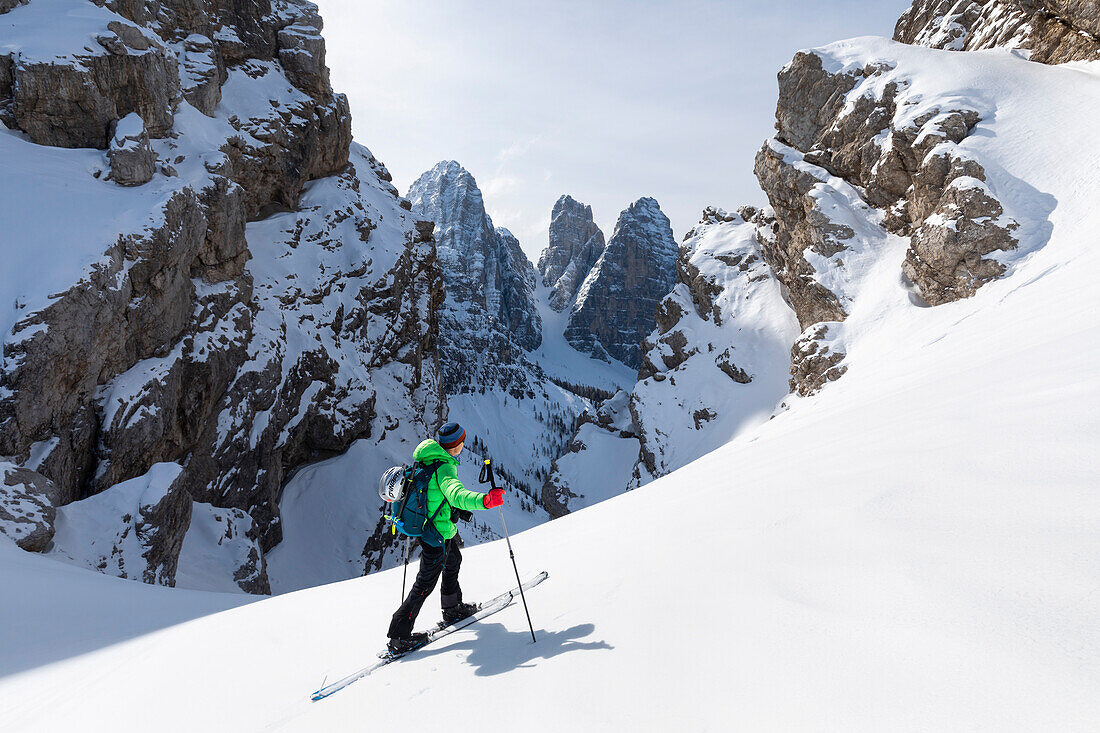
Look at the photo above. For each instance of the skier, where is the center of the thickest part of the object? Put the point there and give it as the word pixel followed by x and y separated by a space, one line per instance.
pixel 444 486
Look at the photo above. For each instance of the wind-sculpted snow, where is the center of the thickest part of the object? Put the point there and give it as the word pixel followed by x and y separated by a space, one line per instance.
pixel 614 306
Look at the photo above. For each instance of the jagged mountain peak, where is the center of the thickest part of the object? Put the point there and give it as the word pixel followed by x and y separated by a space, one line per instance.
pixel 646 212
pixel 449 179
pixel 566 202
pixel 574 246
pixel 446 169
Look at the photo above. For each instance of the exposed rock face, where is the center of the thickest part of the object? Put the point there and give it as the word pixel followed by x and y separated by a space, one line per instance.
pixel 183 335
pixel 614 309
pixel 490 312
pixel 27 501
pixel 852 141
pixel 576 243
pixel 1055 31
pixel 69 97
pixel 802 227
pixel 815 360
pixel 517 279
pixel 948 258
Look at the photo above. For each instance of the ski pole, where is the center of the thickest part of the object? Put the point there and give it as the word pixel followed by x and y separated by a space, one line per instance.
pixel 512 555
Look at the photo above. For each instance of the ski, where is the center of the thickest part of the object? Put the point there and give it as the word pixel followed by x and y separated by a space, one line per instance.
pixel 485 609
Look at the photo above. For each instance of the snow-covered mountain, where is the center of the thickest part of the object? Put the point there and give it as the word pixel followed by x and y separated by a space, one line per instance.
pixel 484 267
pixel 200 270
pixel 715 365
pixel 869 157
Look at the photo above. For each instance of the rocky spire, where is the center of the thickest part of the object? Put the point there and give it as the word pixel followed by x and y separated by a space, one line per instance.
pixel 575 245
pixel 482 265
pixel 614 309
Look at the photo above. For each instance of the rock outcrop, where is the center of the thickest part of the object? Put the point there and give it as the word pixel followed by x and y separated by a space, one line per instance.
pixel 576 243
pixel 860 156
pixel 614 309
pixel 132 160
pixel 252 308
pixel 27 507
pixel 70 96
pixel 1054 31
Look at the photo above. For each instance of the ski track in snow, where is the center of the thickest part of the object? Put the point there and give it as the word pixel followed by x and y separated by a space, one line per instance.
pixel 914 548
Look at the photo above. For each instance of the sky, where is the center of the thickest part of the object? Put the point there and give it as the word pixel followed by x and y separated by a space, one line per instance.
pixel 606 100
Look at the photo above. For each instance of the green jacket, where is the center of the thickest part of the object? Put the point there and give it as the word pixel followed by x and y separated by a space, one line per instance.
pixel 445 485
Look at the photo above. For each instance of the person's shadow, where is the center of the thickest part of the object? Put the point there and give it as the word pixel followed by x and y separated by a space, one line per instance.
pixel 495 649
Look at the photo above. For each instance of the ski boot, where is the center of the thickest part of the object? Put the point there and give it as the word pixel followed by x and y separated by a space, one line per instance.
pixel 456 613
pixel 401 646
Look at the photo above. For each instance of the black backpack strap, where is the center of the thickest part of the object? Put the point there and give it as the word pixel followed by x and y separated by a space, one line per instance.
pixel 435 467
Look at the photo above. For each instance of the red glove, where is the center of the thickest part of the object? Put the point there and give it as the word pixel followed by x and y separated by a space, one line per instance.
pixel 494 498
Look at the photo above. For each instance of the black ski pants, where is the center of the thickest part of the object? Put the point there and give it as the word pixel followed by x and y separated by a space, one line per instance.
pixel 433 561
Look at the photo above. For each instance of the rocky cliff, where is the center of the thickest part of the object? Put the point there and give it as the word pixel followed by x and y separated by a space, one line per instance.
pixel 1053 31
pixel 576 243
pixel 868 152
pixel 205 271
pixel 615 303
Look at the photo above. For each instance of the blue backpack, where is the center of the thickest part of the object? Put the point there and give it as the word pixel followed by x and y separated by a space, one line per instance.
pixel 410 512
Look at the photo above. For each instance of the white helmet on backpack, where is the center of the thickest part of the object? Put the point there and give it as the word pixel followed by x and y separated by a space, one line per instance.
pixel 392 484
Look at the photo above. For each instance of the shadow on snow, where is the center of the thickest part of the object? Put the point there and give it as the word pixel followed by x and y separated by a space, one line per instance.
pixel 496 650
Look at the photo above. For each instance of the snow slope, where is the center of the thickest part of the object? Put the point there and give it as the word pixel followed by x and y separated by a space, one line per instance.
pixel 914 548
pixel 559 359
